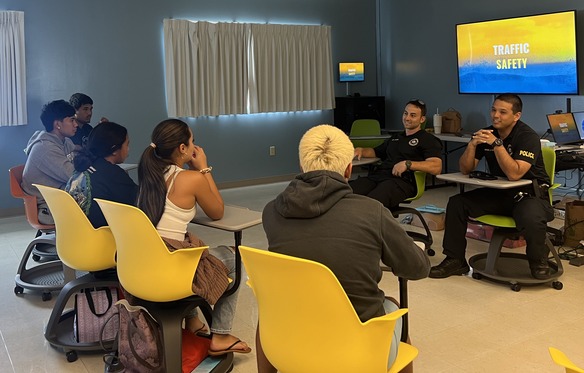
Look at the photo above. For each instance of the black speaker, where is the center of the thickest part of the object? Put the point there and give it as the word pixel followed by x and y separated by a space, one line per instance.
pixel 349 108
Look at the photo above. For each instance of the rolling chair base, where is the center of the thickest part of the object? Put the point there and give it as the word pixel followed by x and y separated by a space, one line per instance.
pixel 59 330
pixel 513 269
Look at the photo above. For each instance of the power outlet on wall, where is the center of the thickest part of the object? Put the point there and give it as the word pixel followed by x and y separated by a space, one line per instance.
pixel 272 151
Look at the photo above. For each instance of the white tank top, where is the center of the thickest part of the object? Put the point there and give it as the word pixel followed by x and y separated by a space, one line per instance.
pixel 175 220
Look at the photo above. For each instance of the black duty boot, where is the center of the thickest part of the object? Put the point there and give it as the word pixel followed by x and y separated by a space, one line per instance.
pixel 449 267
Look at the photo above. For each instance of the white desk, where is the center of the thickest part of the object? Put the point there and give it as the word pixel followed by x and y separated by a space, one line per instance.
pixel 371 137
pixel 235 219
pixel 500 183
pixel 364 161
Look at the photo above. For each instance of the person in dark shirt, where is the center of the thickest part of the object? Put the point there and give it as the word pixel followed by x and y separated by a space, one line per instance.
pixel 97 165
pixel 83 105
pixel 393 180
pixel 512 150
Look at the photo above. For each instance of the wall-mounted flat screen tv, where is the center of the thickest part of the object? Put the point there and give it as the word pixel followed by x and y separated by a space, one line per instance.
pixel 351 71
pixel 527 55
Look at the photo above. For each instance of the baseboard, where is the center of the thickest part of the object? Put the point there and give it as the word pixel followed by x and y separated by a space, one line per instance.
pixel 10 212
pixel 258 181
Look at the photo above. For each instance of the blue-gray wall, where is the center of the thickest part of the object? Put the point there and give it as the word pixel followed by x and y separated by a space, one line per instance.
pixel 112 50
pixel 418 57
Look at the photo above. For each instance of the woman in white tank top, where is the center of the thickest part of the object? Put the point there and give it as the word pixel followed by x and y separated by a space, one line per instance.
pixel 168 195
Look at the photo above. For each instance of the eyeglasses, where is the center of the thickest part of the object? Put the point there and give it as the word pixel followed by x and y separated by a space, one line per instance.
pixel 417 101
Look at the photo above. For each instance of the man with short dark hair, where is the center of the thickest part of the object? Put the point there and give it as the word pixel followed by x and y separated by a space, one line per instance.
pixel 393 181
pixel 83 105
pixel 512 150
pixel 50 154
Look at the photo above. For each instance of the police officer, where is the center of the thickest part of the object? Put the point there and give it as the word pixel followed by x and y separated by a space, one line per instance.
pixel 512 150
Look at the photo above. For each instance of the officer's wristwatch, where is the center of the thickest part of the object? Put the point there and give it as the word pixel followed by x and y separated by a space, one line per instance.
pixel 497 142
pixel 408 165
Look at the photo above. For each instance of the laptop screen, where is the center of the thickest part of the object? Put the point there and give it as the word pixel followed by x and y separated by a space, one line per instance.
pixel 563 128
pixel 579 119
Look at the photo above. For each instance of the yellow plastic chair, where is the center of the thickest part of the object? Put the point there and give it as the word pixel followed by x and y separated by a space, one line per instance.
pixel 488 264
pixel 562 360
pixel 83 248
pixel 156 278
pixel 308 323
pixel 366 127
pixel 426 237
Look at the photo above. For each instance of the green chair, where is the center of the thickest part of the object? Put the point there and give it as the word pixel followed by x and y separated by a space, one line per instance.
pixel 366 127
pixel 511 267
pixel 425 238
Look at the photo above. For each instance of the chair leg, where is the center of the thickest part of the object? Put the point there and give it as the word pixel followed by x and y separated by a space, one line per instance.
pixel 494 251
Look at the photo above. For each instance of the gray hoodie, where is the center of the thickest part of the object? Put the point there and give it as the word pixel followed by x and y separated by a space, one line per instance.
pixel 318 217
pixel 49 162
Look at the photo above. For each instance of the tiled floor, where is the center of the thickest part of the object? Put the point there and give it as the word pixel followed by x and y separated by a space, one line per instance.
pixel 458 324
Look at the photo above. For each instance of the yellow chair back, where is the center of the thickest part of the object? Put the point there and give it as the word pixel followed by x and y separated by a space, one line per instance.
pixel 146 268
pixel 79 245
pixel 307 323
pixel 562 360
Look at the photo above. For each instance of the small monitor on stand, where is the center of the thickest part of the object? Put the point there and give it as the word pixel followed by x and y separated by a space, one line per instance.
pixel 351 72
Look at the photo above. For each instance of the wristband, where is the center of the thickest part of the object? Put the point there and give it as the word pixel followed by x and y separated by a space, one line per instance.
pixel 206 170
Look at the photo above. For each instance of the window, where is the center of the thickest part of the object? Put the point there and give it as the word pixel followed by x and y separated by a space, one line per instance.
pixel 239 68
pixel 12 69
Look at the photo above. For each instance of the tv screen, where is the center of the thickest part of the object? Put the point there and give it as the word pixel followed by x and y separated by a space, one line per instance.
pixel 527 55
pixel 351 71
pixel 579 119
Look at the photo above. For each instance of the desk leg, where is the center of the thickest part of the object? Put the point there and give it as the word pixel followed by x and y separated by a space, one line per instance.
pixel 238 235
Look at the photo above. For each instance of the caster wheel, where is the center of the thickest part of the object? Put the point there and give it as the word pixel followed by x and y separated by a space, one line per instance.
pixel 430 252
pixel 557 285
pixel 71 356
pixel 18 290
pixel 46 296
pixel 36 258
pixel 476 275
pixel 515 287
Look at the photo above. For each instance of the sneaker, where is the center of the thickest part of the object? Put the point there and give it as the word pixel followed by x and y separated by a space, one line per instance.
pixel 540 270
pixel 449 267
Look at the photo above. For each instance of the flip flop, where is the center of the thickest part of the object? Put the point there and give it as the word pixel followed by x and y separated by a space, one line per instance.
pixel 230 349
pixel 202 331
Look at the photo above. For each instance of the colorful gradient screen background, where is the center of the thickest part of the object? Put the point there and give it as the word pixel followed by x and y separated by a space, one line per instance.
pixel 351 71
pixel 532 54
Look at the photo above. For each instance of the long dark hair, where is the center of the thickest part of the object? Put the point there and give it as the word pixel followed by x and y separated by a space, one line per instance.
pixel 167 136
pixel 103 140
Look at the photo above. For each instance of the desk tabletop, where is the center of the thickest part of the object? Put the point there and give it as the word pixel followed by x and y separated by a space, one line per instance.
pixel 235 219
pixel 363 161
pixel 454 138
pixel 500 183
pixel 371 137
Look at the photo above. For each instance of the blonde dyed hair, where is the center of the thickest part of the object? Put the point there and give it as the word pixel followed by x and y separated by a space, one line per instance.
pixel 327 148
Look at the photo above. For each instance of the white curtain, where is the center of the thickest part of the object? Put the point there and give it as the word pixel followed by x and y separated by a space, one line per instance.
pixel 235 68
pixel 12 69
pixel 206 68
pixel 292 68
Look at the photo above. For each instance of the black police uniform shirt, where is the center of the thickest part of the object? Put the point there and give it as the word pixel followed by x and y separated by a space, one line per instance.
pixel 400 147
pixel 82 134
pixel 521 144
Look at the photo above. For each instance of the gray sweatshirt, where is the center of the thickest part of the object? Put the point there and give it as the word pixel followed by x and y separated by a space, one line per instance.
pixel 49 162
pixel 318 217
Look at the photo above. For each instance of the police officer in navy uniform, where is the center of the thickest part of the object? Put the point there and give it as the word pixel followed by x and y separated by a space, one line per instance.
pixel 512 150
pixel 393 180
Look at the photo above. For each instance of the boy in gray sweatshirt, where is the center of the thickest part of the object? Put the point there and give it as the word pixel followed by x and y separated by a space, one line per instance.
pixel 50 154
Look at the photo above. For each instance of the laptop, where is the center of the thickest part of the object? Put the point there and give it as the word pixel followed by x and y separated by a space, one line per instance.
pixel 565 131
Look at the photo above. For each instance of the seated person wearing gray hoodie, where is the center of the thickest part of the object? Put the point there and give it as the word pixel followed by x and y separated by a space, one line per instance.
pixel 50 154
pixel 318 217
